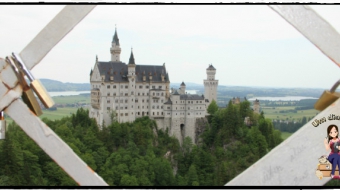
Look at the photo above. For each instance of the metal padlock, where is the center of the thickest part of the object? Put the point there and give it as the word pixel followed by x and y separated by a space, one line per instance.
pixel 327 97
pixel 2 126
pixel 35 84
pixel 27 94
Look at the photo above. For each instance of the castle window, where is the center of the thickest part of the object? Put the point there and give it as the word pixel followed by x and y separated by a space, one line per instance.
pixel 121 114
pixel 108 94
pixel 121 101
pixel 121 86
pixel 196 102
pixel 143 100
pixel 147 93
pixel 157 113
pixel 108 108
pixel 138 113
pixel 131 106
pixel 143 107
pixel 116 114
pixel 114 94
pixel 108 101
pixel 147 113
pixel 153 94
pixel 160 87
pixel 116 107
pixel 126 107
pixel 114 86
pixel 162 113
pixel 126 114
pixel 168 108
pixel 108 86
pixel 138 107
pixel 126 86
pixel 147 100
pixel 161 107
pixel 138 93
pixel 157 107
pixel 146 86
pixel 132 93
pixel 126 94
pixel 153 107
pixel 143 93
pixel 162 94
pixel 153 113
pixel 126 101
pixel 162 101
pixel 136 101
pixel 121 108
pixel 140 86
pixel 188 113
pixel 168 113
pixel 200 101
pixel 157 94
pixel 147 107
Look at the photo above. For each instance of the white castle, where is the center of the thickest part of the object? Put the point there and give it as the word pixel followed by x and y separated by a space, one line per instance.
pixel 131 91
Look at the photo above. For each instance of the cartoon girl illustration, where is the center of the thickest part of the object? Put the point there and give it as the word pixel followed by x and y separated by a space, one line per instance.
pixel 333 143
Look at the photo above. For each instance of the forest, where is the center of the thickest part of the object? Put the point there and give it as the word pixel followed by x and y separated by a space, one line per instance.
pixel 139 154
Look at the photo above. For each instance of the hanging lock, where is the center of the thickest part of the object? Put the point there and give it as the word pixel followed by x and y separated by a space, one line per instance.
pixel 27 93
pixel 35 84
pixel 327 98
pixel 2 126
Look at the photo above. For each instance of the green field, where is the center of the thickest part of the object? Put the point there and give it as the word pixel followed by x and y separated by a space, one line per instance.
pixel 271 113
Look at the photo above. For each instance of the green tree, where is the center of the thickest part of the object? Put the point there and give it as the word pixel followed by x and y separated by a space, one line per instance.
pixel 212 108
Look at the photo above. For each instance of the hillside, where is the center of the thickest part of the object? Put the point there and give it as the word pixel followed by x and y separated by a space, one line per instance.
pixel 57 86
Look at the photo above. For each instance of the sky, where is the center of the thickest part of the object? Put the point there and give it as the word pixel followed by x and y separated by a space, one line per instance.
pixel 249 45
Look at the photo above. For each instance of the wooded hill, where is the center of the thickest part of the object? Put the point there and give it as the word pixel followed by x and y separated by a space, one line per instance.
pixel 138 153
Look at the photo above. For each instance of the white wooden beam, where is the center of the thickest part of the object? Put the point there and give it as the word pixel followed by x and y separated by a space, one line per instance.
pixel 295 160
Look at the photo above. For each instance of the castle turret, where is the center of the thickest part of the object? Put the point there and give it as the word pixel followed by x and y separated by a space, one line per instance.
pixel 210 84
pixel 115 48
pixel 182 88
pixel 132 86
pixel 256 106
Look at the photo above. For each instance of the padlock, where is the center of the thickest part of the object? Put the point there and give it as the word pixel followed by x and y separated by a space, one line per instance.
pixel 27 94
pixel 2 126
pixel 35 84
pixel 327 97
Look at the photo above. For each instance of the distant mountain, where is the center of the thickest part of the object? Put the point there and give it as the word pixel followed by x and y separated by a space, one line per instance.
pixel 57 86
pixel 224 92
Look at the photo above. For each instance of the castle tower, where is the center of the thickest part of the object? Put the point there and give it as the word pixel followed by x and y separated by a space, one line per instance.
pixel 132 87
pixel 210 84
pixel 115 48
pixel 182 88
pixel 256 106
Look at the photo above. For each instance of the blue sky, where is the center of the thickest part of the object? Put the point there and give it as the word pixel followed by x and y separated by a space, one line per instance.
pixel 249 45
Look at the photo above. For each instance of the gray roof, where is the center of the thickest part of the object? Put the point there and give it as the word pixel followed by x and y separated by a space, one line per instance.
pixel 168 102
pixel 119 70
pixel 182 84
pixel 175 93
pixel 191 97
pixel 211 67
pixel 115 38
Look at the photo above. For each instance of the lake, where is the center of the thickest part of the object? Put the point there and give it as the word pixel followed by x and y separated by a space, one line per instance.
pixel 285 98
pixel 68 93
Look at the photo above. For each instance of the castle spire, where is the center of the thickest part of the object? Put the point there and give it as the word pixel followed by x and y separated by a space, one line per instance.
pixel 132 59
pixel 115 37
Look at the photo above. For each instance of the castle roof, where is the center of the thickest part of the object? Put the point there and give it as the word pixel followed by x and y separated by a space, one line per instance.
pixel 115 38
pixel 211 67
pixel 175 93
pixel 168 102
pixel 191 97
pixel 119 71
pixel 182 84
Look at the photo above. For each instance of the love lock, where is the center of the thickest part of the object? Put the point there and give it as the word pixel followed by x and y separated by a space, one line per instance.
pixel 327 98
pixel 2 126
